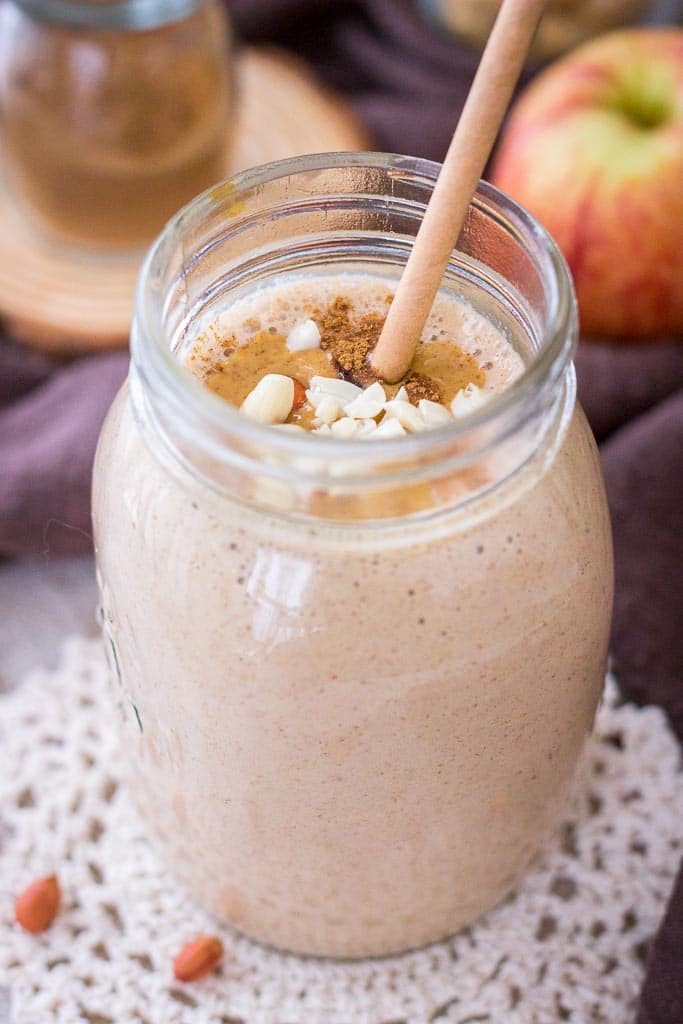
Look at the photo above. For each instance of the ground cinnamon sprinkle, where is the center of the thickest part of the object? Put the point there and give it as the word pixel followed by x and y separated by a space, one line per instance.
pixel 350 342
pixel 419 386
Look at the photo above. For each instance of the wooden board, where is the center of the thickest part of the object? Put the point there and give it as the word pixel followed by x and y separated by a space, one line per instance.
pixel 60 301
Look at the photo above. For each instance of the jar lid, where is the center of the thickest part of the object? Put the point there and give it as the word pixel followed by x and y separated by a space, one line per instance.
pixel 133 15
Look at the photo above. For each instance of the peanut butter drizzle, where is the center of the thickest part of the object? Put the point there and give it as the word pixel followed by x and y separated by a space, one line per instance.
pixel 439 370
pixel 445 364
pixel 243 367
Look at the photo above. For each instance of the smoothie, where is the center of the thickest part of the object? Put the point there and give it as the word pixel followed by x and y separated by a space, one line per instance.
pixel 350 727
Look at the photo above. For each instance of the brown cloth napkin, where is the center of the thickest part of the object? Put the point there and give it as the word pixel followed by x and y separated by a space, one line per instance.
pixel 407 81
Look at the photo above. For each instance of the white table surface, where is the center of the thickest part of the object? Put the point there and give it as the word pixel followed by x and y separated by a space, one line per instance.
pixel 41 602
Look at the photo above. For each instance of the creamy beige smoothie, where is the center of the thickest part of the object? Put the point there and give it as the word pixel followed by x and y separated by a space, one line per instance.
pixel 350 724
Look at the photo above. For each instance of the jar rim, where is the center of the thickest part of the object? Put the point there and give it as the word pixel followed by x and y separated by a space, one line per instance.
pixel 151 350
pixel 124 15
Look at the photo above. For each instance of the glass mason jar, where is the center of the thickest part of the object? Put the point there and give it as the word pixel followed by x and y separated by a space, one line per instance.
pixel 112 114
pixel 354 679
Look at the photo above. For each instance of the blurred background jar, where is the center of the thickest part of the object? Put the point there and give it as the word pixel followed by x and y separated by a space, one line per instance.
pixel 565 24
pixel 112 115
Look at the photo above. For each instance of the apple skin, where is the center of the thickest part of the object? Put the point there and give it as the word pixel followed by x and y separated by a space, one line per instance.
pixel 594 149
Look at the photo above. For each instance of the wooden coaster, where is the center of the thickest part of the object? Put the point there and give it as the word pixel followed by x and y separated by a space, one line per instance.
pixel 57 301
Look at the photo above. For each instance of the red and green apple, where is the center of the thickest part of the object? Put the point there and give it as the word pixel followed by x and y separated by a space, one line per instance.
pixel 594 149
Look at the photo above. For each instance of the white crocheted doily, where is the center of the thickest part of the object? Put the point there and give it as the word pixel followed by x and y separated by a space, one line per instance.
pixel 569 946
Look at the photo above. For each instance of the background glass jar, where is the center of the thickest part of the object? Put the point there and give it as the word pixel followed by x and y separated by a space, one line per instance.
pixel 354 679
pixel 112 114
pixel 565 24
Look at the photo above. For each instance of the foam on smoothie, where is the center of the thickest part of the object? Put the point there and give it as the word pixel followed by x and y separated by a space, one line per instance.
pixel 278 308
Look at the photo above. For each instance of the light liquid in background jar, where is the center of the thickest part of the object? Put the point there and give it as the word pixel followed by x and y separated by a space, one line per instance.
pixel 482 353
pixel 107 132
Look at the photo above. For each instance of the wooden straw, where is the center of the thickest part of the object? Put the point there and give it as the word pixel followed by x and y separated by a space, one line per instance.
pixel 467 155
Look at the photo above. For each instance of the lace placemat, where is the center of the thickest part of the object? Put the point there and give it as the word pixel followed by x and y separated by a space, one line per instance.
pixel 569 946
